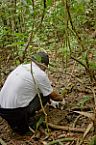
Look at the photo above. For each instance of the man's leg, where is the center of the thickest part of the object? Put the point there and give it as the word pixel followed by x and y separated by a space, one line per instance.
pixel 35 104
pixel 16 118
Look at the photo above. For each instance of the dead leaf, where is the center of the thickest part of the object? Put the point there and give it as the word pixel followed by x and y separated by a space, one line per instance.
pixel 87 114
pixel 88 129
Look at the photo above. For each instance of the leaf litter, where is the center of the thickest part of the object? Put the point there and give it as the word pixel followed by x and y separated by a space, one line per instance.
pixel 73 89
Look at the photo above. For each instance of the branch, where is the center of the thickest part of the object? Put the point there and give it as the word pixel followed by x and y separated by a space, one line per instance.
pixel 2 142
pixel 33 4
pixel 89 70
pixel 66 128
pixel 26 47
pixel 30 34
pixel 73 27
pixel 79 62
pixel 43 14
pixel 37 89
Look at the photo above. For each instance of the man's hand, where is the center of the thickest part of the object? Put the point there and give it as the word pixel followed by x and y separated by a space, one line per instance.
pixel 57 104
pixel 56 96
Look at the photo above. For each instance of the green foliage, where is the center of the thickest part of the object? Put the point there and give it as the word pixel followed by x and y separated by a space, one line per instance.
pixel 37 58
pixel 40 121
pixel 83 101
pixel 18 18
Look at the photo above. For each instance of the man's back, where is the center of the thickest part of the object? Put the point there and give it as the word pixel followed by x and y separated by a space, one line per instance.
pixel 19 88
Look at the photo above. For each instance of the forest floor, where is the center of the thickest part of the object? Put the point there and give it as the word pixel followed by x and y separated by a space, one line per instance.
pixel 65 126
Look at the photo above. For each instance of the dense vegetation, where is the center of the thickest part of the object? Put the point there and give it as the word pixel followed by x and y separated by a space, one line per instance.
pixel 68 26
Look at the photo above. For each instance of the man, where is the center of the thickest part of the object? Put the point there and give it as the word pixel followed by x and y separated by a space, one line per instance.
pixel 19 96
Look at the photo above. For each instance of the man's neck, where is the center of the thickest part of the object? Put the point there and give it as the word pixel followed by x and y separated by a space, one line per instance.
pixel 41 65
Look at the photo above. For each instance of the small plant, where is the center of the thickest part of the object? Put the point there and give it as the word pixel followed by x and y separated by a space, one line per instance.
pixel 83 101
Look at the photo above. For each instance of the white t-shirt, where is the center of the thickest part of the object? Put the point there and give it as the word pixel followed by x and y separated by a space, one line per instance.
pixel 19 88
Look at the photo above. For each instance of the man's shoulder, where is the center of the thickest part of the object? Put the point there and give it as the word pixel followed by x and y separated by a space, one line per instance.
pixel 41 73
pixel 38 70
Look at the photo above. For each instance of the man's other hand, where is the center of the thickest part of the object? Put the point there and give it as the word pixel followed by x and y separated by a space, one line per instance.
pixel 57 104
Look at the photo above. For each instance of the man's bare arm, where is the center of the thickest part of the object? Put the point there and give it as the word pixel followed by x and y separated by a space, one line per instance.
pixel 56 96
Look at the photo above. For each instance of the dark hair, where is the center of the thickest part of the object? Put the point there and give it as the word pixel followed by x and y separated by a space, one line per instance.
pixel 41 57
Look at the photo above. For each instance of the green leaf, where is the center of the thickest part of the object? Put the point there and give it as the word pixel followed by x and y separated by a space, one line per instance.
pixel 49 2
pixel 37 58
pixel 84 100
pixel 40 121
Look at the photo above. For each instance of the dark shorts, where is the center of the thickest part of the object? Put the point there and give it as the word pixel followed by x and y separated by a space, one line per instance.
pixel 18 118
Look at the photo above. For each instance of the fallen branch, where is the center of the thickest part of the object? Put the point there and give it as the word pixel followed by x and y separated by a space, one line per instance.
pixel 66 128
